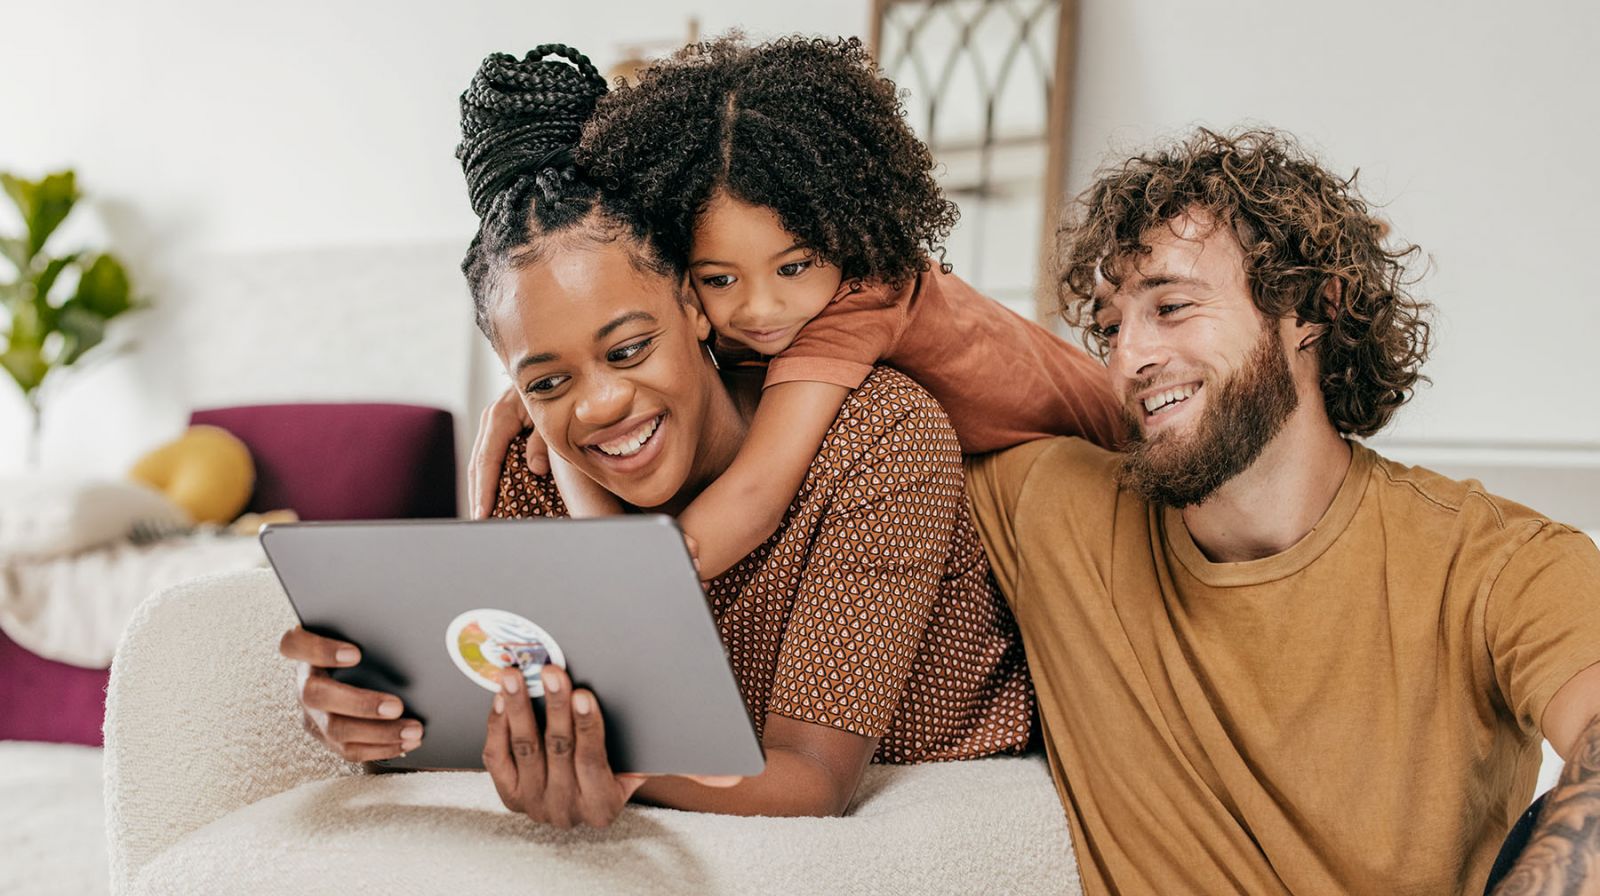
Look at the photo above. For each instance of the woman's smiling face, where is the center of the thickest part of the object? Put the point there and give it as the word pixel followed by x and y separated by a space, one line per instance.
pixel 610 366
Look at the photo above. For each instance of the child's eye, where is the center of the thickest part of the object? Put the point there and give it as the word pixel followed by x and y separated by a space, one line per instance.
pixel 546 385
pixel 718 281
pixel 794 268
pixel 628 352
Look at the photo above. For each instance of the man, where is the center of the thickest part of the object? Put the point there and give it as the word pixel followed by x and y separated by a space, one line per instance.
pixel 1269 660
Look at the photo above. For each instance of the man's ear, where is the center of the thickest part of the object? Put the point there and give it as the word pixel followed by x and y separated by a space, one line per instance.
pixel 1332 295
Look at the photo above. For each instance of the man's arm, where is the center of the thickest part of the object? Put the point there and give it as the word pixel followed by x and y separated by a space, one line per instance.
pixel 1563 854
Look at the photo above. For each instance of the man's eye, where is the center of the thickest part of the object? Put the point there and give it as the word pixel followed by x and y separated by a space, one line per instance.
pixel 794 268
pixel 1170 307
pixel 545 385
pixel 629 351
pixel 718 281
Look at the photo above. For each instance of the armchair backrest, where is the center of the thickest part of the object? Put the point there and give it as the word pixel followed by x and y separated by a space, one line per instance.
pixel 346 461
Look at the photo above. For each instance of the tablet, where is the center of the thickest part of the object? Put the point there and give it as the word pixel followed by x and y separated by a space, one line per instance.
pixel 439 607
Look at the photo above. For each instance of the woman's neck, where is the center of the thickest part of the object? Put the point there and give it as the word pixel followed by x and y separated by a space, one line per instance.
pixel 729 408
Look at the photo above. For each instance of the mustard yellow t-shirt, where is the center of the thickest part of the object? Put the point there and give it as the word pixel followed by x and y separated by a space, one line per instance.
pixel 1357 714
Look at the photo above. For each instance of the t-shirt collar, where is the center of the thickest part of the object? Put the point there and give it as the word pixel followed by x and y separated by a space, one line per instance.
pixel 1285 563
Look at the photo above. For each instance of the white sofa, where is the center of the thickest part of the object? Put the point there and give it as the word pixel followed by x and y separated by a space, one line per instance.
pixel 213 786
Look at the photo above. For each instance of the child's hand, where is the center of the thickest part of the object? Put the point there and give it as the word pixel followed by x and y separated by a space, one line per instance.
pixel 500 423
pixel 694 550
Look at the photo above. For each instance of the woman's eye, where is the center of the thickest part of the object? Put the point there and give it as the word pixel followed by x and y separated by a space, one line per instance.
pixel 794 268
pixel 718 281
pixel 1107 331
pixel 629 351
pixel 545 385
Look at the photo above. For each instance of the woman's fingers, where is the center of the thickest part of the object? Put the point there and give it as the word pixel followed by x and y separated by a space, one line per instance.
pixel 601 794
pixel 320 692
pixel 304 647
pixel 404 735
pixel 497 426
pixel 561 783
pixel 526 749
pixel 497 758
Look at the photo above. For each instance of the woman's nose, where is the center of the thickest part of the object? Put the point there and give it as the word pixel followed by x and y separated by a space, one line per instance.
pixel 607 399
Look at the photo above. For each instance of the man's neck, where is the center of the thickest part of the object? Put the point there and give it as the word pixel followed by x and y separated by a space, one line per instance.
pixel 1270 506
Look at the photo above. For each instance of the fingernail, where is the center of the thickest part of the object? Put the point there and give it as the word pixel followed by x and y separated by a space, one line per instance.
pixel 552 684
pixel 347 655
pixel 512 682
pixel 499 703
pixel 409 745
pixel 389 709
pixel 582 704
pixel 412 731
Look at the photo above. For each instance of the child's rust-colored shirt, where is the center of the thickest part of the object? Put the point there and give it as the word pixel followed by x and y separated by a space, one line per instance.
pixel 871 609
pixel 1003 379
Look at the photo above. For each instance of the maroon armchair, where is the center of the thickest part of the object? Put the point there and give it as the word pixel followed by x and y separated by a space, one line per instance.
pixel 325 462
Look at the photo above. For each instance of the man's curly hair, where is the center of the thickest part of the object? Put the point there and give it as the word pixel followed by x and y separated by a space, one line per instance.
pixel 1302 229
pixel 805 127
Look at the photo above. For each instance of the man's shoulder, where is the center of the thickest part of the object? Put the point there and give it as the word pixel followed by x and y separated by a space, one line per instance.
pixel 1464 502
pixel 1061 476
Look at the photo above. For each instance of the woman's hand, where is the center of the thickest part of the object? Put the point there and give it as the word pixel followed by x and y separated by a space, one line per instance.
pixel 358 724
pixel 497 426
pixel 562 776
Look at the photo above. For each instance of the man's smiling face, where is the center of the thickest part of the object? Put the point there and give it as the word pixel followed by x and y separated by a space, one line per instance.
pixel 1202 377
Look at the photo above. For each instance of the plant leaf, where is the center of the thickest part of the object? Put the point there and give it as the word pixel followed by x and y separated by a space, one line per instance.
pixel 81 331
pixel 103 288
pixel 15 250
pixel 26 365
pixel 47 277
pixel 52 200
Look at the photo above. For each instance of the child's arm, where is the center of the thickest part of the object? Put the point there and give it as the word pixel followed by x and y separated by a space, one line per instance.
pixel 582 495
pixel 742 509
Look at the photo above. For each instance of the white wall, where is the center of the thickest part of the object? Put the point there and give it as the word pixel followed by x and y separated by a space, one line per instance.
pixel 280 176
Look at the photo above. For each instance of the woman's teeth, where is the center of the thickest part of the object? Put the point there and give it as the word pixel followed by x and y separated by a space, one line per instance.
pixel 1170 397
pixel 629 445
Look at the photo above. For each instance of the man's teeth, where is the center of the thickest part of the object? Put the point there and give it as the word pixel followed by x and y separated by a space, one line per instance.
pixel 631 443
pixel 1171 396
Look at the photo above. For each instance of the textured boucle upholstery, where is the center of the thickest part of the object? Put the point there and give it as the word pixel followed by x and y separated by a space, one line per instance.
pixel 212 786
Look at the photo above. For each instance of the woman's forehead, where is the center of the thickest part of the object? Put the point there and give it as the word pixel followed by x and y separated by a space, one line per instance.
pixel 574 296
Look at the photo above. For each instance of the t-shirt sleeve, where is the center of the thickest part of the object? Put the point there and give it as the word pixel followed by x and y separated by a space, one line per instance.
pixel 868 587
pixel 1542 619
pixel 521 493
pixel 994 488
pixel 841 345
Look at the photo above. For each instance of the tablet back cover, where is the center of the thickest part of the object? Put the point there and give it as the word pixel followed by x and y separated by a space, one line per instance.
pixel 438 607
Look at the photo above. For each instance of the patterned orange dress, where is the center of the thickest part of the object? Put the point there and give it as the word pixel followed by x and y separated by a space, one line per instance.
pixel 871 608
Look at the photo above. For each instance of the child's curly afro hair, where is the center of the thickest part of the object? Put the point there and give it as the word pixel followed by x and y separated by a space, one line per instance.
pixel 803 126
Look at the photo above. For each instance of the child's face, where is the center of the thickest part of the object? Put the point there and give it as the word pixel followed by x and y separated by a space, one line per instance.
pixel 757 284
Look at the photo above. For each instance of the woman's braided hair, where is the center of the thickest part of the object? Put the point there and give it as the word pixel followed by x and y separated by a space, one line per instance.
pixel 806 127
pixel 520 122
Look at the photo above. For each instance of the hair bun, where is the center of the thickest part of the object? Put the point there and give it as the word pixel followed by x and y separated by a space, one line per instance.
pixel 520 118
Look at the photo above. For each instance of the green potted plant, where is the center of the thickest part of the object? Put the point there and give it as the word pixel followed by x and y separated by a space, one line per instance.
pixel 55 309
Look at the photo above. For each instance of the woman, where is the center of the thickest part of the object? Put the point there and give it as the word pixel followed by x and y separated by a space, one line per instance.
pixel 865 628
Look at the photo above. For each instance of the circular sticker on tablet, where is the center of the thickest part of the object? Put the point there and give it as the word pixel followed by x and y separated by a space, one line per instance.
pixel 483 642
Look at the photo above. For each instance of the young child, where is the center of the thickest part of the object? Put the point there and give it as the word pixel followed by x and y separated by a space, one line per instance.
pixel 784 179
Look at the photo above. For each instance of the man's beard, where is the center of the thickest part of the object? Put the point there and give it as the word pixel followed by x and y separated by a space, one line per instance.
pixel 1241 416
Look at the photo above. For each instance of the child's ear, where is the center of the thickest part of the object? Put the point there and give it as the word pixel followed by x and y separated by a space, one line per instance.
pixel 692 311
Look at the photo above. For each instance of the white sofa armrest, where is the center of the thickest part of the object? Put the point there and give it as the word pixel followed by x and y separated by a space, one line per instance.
pixel 202 716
